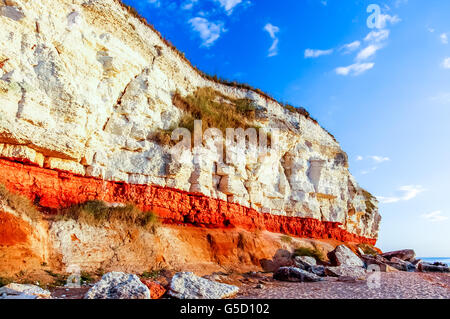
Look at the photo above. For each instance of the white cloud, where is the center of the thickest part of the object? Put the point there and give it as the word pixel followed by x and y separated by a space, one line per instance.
pixel 376 158
pixel 431 30
pixel 272 30
pixel 188 5
pixel 367 52
pixel 229 5
pixel 408 192
pixel 209 31
pixel 310 53
pixel 435 216
pixel 350 47
pixel 446 63
pixel 398 3
pixel 380 159
pixel 442 98
pixel 377 36
pixel 156 3
pixel 354 69
pixel 369 171
pixel 384 19
pixel 444 38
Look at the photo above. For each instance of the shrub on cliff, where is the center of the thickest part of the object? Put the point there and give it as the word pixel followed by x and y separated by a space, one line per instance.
pixel 214 109
pixel 20 204
pixel 97 212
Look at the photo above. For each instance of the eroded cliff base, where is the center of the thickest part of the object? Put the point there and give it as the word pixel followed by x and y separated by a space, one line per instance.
pixel 67 246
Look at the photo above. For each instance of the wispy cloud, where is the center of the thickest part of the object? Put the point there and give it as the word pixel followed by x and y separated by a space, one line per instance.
pixel 354 69
pixel 406 193
pixel 376 158
pixel 188 5
pixel 368 52
pixel 379 159
pixel 209 31
pixel 350 47
pixel 385 19
pixel 444 38
pixel 375 41
pixel 365 172
pixel 229 5
pixel 442 98
pixel 446 63
pixel 310 53
pixel 399 3
pixel 435 216
pixel 272 30
pixel 377 36
pixel 156 3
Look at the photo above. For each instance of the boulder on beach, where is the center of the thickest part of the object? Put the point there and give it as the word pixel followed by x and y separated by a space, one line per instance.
pixel 377 263
pixel 402 265
pixel 405 254
pixel 304 262
pixel 294 274
pixel 186 285
pixel 118 285
pixel 344 256
pixel 20 291
pixel 317 270
pixel 427 267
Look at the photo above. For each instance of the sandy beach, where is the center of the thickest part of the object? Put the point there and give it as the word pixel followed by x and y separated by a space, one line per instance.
pixel 398 285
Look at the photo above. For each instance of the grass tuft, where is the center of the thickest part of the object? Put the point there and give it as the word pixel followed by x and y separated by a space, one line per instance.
pixel 214 109
pixel 152 274
pixel 19 203
pixel 286 239
pixel 5 281
pixel 96 213
pixel 311 252
pixel 368 249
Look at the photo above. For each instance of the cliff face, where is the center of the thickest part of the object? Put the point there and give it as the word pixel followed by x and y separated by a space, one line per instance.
pixel 84 85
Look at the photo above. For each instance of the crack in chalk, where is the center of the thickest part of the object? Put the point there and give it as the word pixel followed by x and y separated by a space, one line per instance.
pixel 119 99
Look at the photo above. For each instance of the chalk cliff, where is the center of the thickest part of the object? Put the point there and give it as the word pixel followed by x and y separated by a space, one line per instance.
pixel 84 87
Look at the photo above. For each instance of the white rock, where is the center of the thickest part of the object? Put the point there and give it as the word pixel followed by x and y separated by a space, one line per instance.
pixel 20 291
pixel 118 285
pixel 186 285
pixel 305 261
pixel 344 256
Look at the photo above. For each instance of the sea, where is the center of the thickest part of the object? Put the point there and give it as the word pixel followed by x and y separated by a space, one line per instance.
pixel 431 260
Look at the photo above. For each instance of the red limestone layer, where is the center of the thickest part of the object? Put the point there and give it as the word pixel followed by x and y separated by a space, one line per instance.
pixel 55 189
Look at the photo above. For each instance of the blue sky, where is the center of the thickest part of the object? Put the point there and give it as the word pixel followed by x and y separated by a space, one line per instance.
pixel 383 92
